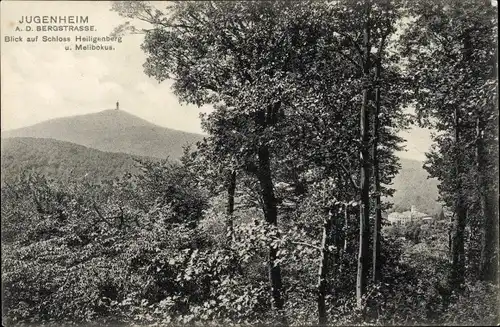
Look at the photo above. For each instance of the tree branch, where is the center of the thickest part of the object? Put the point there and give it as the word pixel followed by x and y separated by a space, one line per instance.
pixel 354 62
pixel 349 174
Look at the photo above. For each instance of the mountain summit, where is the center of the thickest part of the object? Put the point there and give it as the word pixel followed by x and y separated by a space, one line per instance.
pixel 113 131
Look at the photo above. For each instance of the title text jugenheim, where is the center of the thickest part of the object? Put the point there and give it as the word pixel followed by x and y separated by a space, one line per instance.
pixel 54 20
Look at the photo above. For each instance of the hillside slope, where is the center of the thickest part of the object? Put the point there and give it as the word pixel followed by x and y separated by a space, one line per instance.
pixel 112 131
pixel 61 160
pixel 64 160
pixel 414 188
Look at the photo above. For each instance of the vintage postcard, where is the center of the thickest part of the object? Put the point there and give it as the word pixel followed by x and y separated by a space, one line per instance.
pixel 249 163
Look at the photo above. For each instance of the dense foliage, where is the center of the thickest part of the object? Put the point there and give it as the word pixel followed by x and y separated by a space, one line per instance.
pixel 274 218
pixel 61 160
pixel 152 248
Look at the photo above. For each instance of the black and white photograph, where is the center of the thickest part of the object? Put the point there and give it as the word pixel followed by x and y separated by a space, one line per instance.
pixel 249 163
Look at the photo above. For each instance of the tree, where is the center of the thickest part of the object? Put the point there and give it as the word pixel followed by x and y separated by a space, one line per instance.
pixel 240 57
pixel 364 222
pixel 322 141
pixel 373 22
pixel 449 46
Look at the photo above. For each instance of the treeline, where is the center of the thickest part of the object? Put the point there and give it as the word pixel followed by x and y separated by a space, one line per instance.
pixel 276 216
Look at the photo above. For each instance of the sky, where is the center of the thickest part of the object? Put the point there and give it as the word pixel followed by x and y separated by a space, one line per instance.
pixel 42 80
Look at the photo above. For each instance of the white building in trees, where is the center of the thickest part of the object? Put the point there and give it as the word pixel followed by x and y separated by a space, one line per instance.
pixel 402 218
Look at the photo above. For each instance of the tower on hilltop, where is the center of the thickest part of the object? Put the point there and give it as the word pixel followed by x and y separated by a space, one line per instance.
pixel 117 105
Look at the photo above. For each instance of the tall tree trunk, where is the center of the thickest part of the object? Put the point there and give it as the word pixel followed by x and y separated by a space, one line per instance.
pixel 346 227
pixel 450 238
pixel 231 188
pixel 338 238
pixel 364 215
pixel 457 276
pixel 490 247
pixel 271 216
pixel 459 223
pixel 325 262
pixel 378 210
pixel 488 265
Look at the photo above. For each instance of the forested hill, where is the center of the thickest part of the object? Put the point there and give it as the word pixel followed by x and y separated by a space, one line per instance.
pixel 413 187
pixel 112 131
pixel 61 160
pixel 64 160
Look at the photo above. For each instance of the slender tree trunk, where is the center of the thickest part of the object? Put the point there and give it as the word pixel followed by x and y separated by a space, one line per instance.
pixel 488 263
pixel 450 233
pixel 271 217
pixel 378 210
pixel 458 247
pixel 231 188
pixel 458 232
pixel 263 119
pixel 338 238
pixel 343 248
pixel 364 215
pixel 346 227
pixel 325 262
